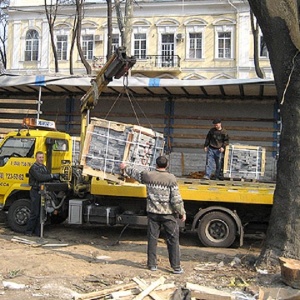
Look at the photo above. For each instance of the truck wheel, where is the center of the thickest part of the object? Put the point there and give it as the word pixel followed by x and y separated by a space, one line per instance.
pixel 217 229
pixel 18 215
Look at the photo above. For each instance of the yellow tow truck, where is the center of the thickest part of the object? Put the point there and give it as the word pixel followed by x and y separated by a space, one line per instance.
pixel 219 211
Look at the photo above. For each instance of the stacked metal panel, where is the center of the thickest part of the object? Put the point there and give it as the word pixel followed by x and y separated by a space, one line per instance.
pixel 109 143
pixel 244 162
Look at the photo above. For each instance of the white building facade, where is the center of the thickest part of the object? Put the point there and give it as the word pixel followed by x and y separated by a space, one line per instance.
pixel 188 39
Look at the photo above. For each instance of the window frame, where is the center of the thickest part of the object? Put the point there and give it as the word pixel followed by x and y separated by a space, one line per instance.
pixel 115 44
pixel 62 55
pixel 223 46
pixel 195 26
pixel 32 46
pixel 85 45
pixel 140 52
pixel 225 27
pixel 189 49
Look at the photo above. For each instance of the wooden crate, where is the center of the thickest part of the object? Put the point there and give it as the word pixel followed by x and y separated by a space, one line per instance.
pixel 244 162
pixel 109 143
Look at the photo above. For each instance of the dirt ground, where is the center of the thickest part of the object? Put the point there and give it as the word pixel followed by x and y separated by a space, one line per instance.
pixel 76 260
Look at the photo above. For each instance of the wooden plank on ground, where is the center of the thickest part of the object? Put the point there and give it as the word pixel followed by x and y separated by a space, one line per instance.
pixel 104 292
pixel 205 293
pixel 150 288
pixel 143 286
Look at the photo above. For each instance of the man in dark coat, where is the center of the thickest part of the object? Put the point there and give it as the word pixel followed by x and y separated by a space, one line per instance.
pixel 215 143
pixel 38 173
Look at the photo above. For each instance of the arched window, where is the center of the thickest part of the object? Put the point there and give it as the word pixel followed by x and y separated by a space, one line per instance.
pixel 32 45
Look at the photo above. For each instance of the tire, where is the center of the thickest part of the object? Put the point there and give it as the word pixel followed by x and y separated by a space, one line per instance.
pixel 217 229
pixel 18 215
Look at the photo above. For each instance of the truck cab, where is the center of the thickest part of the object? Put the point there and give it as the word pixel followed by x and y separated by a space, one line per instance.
pixel 17 154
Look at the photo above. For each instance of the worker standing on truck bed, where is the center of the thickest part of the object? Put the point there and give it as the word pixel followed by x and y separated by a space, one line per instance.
pixel 164 205
pixel 38 173
pixel 215 143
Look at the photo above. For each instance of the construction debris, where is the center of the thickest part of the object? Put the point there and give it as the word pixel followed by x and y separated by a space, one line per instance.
pixel 142 284
pixel 105 292
pixel 13 285
pixel 150 288
pixel 203 292
pixel 290 271
pixel 38 243
pixel 21 240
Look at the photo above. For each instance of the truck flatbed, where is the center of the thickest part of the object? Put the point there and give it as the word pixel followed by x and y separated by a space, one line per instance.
pixel 229 191
pixel 199 190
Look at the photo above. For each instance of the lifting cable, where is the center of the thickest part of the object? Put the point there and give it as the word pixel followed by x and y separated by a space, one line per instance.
pixel 129 97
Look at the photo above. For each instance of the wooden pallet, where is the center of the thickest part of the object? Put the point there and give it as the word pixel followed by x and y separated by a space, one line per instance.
pixel 108 143
pixel 244 162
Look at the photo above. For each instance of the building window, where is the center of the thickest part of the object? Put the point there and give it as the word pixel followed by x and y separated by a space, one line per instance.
pixel 224 44
pixel 115 42
pixel 167 49
pixel 140 45
pixel 32 45
pixel 195 45
pixel 62 47
pixel 88 46
pixel 263 50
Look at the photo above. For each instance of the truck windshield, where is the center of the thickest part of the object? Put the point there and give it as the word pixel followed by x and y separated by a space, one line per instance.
pixel 22 147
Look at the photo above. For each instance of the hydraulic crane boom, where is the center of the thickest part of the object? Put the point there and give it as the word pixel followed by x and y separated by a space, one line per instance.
pixel 117 66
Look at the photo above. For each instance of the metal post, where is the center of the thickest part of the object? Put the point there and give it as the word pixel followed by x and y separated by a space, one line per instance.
pixel 42 212
pixel 39 102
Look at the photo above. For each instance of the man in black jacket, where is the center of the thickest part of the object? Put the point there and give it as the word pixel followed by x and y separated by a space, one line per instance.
pixel 215 143
pixel 38 173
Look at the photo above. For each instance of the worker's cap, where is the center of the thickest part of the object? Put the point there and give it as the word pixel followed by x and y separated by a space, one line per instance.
pixel 216 121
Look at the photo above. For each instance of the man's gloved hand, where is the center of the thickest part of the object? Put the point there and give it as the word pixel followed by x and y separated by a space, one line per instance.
pixel 55 176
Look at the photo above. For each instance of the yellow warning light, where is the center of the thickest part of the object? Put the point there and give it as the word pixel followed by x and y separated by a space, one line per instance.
pixel 33 123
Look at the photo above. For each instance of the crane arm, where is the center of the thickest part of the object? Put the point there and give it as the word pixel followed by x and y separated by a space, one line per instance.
pixel 117 66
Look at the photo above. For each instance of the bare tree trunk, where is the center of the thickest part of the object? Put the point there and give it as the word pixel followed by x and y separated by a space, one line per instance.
pixel 73 39
pixel 120 22
pixel 255 32
pixel 109 29
pixel 127 25
pixel 279 23
pixel 79 12
pixel 3 36
pixel 51 13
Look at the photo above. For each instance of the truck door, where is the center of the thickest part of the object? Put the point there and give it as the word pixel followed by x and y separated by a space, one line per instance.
pixel 58 150
pixel 16 157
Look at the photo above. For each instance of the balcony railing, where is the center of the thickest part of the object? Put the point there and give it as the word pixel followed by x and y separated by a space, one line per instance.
pixel 149 62
pixel 161 61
